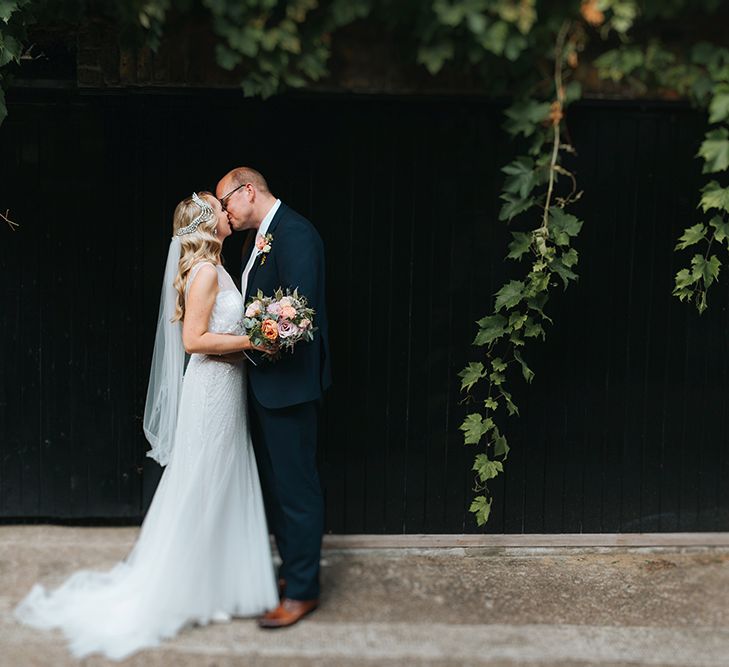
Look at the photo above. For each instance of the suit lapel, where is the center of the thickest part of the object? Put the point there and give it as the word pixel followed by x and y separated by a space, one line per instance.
pixel 271 230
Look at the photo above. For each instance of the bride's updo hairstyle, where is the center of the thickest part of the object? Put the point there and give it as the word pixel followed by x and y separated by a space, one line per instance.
pixel 199 245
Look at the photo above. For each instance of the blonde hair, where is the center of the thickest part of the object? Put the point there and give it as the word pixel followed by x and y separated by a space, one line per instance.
pixel 202 245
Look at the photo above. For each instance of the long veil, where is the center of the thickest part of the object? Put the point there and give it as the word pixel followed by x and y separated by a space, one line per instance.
pixel 168 364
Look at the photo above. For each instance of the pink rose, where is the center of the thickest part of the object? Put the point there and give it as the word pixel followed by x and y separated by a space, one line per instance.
pixel 286 328
pixel 274 308
pixel 305 323
pixel 288 312
pixel 254 309
pixel 260 242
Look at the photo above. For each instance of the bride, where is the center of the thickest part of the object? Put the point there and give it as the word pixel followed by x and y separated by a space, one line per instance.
pixel 203 552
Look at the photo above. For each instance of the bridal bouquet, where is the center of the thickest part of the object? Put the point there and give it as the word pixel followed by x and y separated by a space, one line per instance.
pixel 280 321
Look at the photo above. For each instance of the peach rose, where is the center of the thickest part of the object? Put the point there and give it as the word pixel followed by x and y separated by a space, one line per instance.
pixel 260 242
pixel 269 329
pixel 288 312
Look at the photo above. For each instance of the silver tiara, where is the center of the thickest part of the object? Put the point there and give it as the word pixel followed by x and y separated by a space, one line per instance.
pixel 206 212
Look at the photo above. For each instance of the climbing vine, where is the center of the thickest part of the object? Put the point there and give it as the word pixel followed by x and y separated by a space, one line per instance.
pixel 542 55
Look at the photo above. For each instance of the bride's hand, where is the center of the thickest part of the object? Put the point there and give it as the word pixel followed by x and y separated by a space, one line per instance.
pixel 266 349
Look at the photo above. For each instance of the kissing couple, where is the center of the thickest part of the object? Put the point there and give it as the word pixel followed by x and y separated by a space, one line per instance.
pixel 236 433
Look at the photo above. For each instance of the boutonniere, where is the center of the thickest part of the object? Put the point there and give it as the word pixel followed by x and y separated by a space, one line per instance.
pixel 263 244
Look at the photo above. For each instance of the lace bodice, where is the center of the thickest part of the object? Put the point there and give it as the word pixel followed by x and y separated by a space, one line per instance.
pixel 227 314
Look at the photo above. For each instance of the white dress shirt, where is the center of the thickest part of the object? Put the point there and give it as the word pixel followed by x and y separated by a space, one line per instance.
pixel 262 231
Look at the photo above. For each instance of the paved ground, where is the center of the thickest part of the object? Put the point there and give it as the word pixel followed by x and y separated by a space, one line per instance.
pixel 495 606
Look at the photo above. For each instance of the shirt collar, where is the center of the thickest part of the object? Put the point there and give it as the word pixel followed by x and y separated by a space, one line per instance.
pixel 266 222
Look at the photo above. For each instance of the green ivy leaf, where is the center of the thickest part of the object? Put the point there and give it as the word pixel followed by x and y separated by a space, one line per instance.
pixel 538 283
pixel 563 271
pixel 494 38
pixel 476 22
pixel 572 92
pixel 721 228
pixel 521 176
pixel 525 370
pixel 618 63
pixel 514 47
pixel 490 328
pixel 516 339
pixel 685 278
pixel 719 105
pixel 516 320
pixel 532 329
pixel 450 14
pixel 511 407
pixel 521 244
pixel 706 269
pixel 227 58
pixel 491 403
pixel 481 507
pixel 509 295
pixel 562 226
pixel 485 468
pixel 524 117
pixel 435 56
pixel 691 236
pixel 497 378
pixel 475 427
pixel 10 49
pixel 7 7
pixel 715 150
pixel 498 364
pixel 714 196
pixel 538 301
pixel 501 447
pixel 514 205
pixel 471 374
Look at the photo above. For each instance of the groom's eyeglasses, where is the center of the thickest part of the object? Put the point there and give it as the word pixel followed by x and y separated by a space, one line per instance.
pixel 223 200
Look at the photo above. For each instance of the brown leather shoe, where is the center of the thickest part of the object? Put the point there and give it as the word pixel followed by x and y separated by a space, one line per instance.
pixel 287 613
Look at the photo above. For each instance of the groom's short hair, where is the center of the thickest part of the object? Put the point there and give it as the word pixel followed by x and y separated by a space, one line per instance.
pixel 241 175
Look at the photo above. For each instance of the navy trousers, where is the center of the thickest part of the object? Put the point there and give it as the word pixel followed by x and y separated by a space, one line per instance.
pixel 284 441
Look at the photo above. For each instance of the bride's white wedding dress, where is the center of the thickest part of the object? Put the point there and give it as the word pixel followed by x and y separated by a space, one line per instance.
pixel 203 552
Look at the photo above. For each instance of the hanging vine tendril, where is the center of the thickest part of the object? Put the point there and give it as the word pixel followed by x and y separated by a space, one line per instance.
pixel 13 225
pixel 531 182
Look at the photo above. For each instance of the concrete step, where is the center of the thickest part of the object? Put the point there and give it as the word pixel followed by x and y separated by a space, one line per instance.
pixel 494 606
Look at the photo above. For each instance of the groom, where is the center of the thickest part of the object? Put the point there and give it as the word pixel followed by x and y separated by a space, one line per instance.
pixel 284 250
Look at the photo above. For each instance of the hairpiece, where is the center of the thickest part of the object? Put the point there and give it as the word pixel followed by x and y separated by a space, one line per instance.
pixel 206 212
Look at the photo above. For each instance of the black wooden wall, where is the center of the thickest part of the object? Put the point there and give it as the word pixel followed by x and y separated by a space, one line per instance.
pixel 623 429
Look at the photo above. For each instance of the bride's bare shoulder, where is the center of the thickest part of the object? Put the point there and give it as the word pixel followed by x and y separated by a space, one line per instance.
pixel 203 275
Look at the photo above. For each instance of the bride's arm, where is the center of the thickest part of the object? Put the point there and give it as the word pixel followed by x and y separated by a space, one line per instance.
pixel 198 307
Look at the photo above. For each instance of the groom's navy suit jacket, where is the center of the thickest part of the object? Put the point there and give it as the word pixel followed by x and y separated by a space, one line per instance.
pixel 296 260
